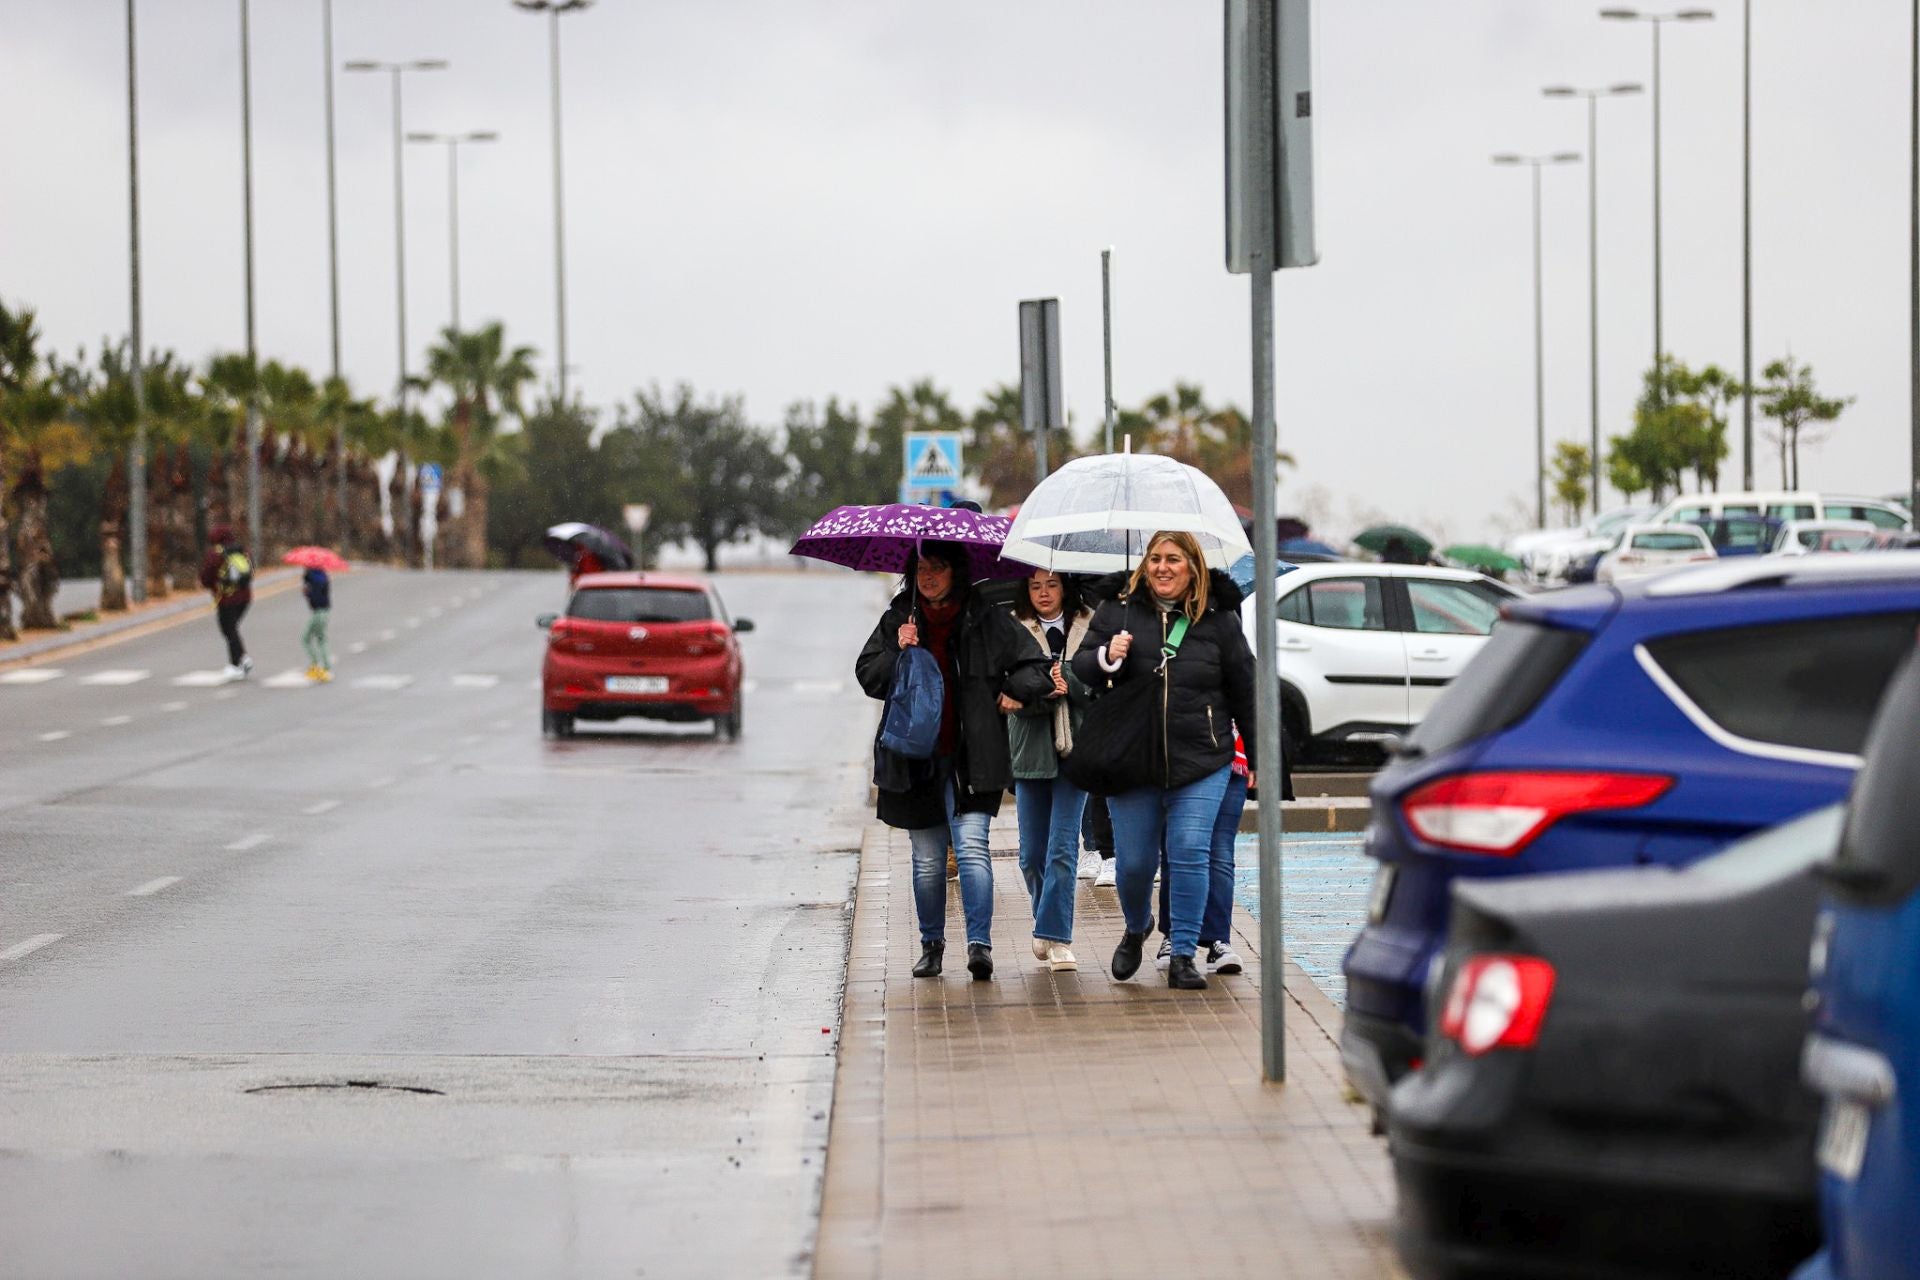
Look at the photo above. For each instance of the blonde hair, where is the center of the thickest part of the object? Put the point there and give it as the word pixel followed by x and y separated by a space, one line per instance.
pixel 1196 602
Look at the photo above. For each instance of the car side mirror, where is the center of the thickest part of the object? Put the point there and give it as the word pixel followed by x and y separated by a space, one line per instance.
pixel 546 620
pixel 742 625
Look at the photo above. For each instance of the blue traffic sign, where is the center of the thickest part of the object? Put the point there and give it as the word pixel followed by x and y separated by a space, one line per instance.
pixel 429 477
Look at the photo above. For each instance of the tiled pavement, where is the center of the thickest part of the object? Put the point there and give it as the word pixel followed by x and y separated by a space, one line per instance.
pixel 1067 1125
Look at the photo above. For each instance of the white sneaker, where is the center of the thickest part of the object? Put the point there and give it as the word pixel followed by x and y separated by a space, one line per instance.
pixel 231 673
pixel 1104 878
pixel 1089 865
pixel 1220 958
pixel 1040 947
pixel 1060 958
pixel 246 666
pixel 1164 956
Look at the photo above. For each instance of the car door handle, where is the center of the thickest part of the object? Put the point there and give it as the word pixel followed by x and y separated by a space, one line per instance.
pixel 1294 646
pixel 1431 655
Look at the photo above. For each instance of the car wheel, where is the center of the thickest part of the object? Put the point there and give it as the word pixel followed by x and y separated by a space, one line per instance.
pixel 728 725
pixel 547 729
pixel 562 725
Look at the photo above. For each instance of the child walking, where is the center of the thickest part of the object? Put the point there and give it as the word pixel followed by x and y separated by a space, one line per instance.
pixel 318 589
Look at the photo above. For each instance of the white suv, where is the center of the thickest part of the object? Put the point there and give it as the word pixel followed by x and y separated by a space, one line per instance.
pixel 1365 649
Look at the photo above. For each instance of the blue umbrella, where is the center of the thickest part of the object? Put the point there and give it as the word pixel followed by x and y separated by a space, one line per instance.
pixel 1307 546
pixel 1241 571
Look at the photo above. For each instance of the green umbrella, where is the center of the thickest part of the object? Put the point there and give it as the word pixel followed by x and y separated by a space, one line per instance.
pixel 1473 555
pixel 1376 538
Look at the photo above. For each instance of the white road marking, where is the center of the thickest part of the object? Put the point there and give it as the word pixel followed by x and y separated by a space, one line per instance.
pixel 748 686
pixel 32 675
pixel 503 724
pixel 115 677
pixel 173 706
pixel 288 680
pixel 324 806
pixel 480 681
pixel 200 679
pixel 412 622
pixel 388 635
pixel 56 735
pixel 245 843
pixel 423 761
pixel 32 944
pixel 385 780
pixel 382 682
pixel 471 739
pixel 226 693
pixel 358 646
pixel 435 612
pixel 114 722
pixel 826 687
pixel 152 887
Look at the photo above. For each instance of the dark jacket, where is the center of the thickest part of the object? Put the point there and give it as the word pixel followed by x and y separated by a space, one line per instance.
pixel 210 566
pixel 1034 731
pixel 318 589
pixel 983 651
pixel 1210 681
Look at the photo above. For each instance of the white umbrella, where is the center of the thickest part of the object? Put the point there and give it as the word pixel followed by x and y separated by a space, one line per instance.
pixel 1094 515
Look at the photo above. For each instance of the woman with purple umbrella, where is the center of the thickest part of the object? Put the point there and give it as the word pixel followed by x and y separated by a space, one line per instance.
pixel 952 797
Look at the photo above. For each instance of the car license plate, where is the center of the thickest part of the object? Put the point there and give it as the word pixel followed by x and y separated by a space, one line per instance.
pixel 1843 1138
pixel 1382 891
pixel 636 684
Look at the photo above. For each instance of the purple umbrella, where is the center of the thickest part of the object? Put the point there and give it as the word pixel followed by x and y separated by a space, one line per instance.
pixel 879 539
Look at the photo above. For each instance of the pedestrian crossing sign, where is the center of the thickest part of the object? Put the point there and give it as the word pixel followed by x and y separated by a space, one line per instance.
pixel 932 460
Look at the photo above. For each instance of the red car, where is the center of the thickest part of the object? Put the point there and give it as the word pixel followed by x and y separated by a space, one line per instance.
pixel 641 644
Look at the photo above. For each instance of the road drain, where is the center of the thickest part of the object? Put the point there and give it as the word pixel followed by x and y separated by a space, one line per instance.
pixel 347 1086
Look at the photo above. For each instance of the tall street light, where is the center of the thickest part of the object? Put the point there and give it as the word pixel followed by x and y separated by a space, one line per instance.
pixel 1656 21
pixel 333 277
pixel 1913 268
pixel 255 535
pixel 1536 163
pixel 1593 97
pixel 453 143
pixel 396 70
pixel 553 9
pixel 1746 244
pixel 137 458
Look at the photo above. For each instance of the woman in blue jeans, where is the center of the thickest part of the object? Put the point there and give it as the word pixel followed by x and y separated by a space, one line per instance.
pixel 1216 922
pixel 1178 625
pixel 1044 707
pixel 951 798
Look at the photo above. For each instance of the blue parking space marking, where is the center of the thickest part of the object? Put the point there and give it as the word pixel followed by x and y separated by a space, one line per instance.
pixel 1327 879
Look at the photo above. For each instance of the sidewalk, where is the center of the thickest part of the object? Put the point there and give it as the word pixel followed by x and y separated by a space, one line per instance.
pixel 1066 1125
pixel 139 620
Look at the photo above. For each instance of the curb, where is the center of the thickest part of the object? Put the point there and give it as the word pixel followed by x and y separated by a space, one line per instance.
pixel 135 623
pixel 1345 814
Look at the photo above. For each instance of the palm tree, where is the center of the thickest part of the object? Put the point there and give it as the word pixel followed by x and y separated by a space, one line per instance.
pixel 485 378
pixel 38 436
pixel 19 343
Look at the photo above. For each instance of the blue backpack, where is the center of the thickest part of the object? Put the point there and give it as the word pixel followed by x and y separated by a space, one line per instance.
pixel 910 726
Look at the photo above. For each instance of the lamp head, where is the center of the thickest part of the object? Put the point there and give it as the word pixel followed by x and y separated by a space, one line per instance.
pixel 1695 15
pixel 363 64
pixel 1560 91
pixel 482 135
pixel 423 137
pixel 1507 157
pixel 1566 157
pixel 1622 15
pixel 427 64
pixel 1630 87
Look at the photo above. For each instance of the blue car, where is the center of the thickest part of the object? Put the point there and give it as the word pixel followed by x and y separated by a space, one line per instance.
pixel 1863 1056
pixel 1650 722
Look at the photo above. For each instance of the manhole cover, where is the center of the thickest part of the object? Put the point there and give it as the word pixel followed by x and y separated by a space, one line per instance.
pixel 346 1086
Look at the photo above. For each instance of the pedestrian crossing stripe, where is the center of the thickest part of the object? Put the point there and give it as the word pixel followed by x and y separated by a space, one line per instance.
pixel 200 679
pixel 115 677
pixel 33 675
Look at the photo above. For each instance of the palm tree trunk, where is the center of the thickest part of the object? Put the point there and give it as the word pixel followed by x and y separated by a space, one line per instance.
pixel 6 574
pixel 475 516
pixel 39 578
pixel 113 518
pixel 401 511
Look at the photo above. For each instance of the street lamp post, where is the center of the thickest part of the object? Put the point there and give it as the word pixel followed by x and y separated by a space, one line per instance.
pixel 1746 244
pixel 1536 163
pixel 255 535
pixel 553 9
pixel 396 70
pixel 137 458
pixel 1593 97
pixel 333 279
pixel 1656 21
pixel 453 141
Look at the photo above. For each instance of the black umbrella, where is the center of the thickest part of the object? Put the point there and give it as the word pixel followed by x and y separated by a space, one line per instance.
pixel 568 541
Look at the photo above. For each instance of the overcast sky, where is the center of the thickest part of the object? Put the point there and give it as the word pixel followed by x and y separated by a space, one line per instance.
pixel 791 199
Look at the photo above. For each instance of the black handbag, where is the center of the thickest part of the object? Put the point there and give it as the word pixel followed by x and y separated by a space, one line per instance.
pixel 1116 748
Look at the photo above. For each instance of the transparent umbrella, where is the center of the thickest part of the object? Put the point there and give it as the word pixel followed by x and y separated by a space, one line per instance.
pixel 1094 515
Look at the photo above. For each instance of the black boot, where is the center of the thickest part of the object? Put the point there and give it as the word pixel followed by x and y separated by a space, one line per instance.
pixel 930 954
pixel 1126 956
pixel 1182 975
pixel 979 961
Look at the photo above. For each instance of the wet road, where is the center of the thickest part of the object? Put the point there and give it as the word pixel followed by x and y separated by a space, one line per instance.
pixel 370 980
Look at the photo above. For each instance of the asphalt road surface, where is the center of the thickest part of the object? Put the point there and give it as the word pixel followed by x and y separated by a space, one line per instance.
pixel 370 980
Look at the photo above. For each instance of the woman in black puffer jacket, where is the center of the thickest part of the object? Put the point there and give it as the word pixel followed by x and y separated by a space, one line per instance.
pixel 1172 596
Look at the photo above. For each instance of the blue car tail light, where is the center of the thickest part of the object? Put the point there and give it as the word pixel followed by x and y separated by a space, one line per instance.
pixel 1499 813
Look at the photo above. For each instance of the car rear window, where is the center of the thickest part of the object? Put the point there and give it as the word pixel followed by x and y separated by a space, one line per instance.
pixel 1811 684
pixel 1505 681
pixel 1668 542
pixel 1880 834
pixel 640 604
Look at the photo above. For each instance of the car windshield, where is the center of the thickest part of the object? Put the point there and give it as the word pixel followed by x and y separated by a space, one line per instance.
pixel 1504 682
pixel 1668 541
pixel 1880 835
pixel 640 604
pixel 1846 542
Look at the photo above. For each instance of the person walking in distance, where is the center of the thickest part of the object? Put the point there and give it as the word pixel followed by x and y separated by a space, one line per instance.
pixel 952 797
pixel 1175 615
pixel 318 589
pixel 1044 708
pixel 227 571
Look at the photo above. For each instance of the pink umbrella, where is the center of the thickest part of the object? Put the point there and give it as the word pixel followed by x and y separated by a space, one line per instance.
pixel 316 558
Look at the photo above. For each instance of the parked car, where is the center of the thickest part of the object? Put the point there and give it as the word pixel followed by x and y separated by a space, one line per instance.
pixel 1863 1056
pixel 1895 540
pixel 1646 549
pixel 1652 722
pixel 1787 504
pixel 1366 648
pixel 1546 557
pixel 1616 1066
pixel 1741 535
pixel 1804 537
pixel 642 644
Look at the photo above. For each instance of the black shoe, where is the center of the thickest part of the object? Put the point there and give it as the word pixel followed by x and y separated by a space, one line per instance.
pixel 1126 956
pixel 979 961
pixel 930 954
pixel 1183 976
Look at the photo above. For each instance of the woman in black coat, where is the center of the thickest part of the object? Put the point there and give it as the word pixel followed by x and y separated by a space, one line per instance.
pixel 1173 603
pixel 953 797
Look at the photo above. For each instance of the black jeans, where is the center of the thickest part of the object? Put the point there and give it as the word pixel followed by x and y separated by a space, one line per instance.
pixel 229 613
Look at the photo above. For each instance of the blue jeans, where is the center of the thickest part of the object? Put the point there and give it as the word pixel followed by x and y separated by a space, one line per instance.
pixel 968 834
pixel 1185 817
pixel 1049 810
pixel 1217 922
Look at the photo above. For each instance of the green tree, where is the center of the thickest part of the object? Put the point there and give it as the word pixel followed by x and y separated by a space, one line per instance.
pixel 38 436
pixel 554 474
pixel 1789 397
pixel 485 378
pixel 1567 473
pixel 711 477
pixel 1000 450
pixel 920 406
pixel 833 460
